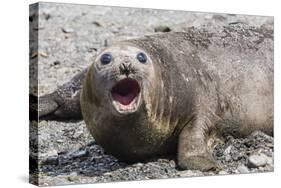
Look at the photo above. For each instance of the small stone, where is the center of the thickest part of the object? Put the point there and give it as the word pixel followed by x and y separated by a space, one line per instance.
pixel 162 29
pixel 228 158
pixel 82 153
pixel 59 141
pixel 67 30
pixel 249 143
pixel 56 62
pixel 107 174
pixel 52 160
pixel 228 149
pixel 63 70
pixel 270 145
pixel 52 152
pixel 43 54
pixel 47 16
pixel 270 161
pixel 96 23
pixel 105 43
pixel 222 172
pixel 91 49
pixel 77 134
pixel 73 176
pixel 43 123
pixel 187 173
pixel 242 169
pixel 257 160
pixel 138 164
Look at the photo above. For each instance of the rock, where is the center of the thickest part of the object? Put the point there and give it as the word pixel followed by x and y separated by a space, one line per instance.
pixel 52 152
pixel 138 164
pixel 43 123
pixel 52 160
pixel 59 141
pixel 67 30
pixel 249 143
pixel 270 161
pixel 96 23
pixel 228 158
pixel 107 174
pixel 105 43
pixel 73 176
pixel 63 70
pixel 242 169
pixel 162 29
pixel 227 150
pixel 227 153
pixel 46 16
pixel 187 173
pixel 56 62
pixel 257 160
pixel 222 172
pixel 77 134
pixel 79 154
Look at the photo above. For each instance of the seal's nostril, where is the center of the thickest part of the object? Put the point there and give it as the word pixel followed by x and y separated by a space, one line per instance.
pixel 125 68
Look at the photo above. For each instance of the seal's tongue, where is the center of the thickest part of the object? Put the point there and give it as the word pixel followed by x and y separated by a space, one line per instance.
pixel 125 91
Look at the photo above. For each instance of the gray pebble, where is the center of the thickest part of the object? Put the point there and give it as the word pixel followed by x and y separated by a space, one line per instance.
pixel 242 169
pixel 270 161
pixel 59 141
pixel 228 158
pixel 56 62
pixel 52 160
pixel 78 154
pixel 162 29
pixel 222 172
pixel 257 160
pixel 138 164
pixel 97 24
pixel 77 134
pixel 67 30
pixel 187 173
pixel 73 176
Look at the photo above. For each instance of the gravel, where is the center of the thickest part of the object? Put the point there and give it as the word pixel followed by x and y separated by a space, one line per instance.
pixel 70 36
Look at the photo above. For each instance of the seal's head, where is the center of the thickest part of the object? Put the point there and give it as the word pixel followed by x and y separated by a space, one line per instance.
pixel 119 102
pixel 122 75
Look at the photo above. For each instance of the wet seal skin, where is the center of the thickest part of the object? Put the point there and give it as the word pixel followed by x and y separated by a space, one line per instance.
pixel 180 93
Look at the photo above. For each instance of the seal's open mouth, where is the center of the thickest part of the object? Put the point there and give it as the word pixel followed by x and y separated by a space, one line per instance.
pixel 125 95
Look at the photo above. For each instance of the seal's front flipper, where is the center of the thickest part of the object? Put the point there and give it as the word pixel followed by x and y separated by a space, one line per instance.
pixel 193 151
pixel 62 104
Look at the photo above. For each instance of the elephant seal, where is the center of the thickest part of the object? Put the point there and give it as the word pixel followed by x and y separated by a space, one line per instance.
pixel 180 92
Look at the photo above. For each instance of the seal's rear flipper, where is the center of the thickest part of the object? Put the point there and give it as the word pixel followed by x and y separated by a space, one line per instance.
pixel 62 104
pixel 53 107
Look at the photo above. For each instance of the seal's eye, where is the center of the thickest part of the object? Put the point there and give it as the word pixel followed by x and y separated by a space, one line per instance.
pixel 141 57
pixel 105 58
